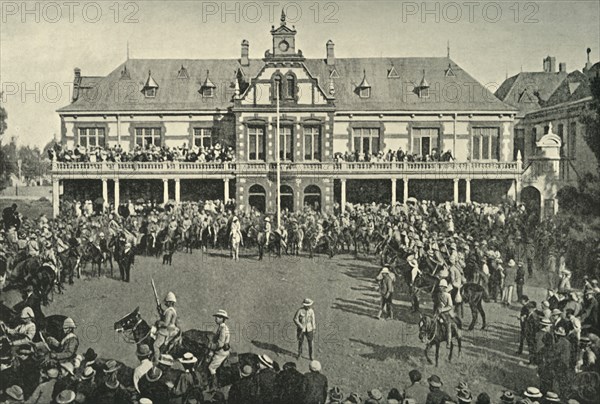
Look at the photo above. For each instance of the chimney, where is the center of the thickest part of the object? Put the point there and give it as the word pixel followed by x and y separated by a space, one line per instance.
pixel 550 64
pixel 588 64
pixel 245 61
pixel 77 72
pixel 76 83
pixel 562 67
pixel 330 53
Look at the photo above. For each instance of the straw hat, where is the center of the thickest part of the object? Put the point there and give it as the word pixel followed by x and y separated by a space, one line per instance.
pixel 532 392
pixel 65 397
pixel 435 381
pixel 222 314
pixel 188 358
pixel 307 302
pixel 266 360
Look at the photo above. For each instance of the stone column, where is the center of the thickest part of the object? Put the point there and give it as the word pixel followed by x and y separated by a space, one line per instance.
pixel 165 191
pixel 518 186
pixel 468 190
pixel 55 197
pixel 177 190
pixel 393 192
pixel 456 190
pixel 405 194
pixel 117 195
pixel 343 194
pixel 225 190
pixel 105 192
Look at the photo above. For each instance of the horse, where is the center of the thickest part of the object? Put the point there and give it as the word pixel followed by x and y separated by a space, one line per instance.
pixel 32 271
pixel 136 330
pixel 150 245
pixel 3 271
pixel 234 242
pixel 47 326
pixel 91 254
pixel 260 237
pixel 473 294
pixel 433 332
pixel 296 238
pixel 187 240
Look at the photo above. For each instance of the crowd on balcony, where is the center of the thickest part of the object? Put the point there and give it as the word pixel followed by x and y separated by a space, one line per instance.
pixel 391 156
pixel 149 153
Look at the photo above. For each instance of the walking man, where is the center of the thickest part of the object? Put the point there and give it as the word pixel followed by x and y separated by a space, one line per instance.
pixel 386 289
pixel 305 326
pixel 126 261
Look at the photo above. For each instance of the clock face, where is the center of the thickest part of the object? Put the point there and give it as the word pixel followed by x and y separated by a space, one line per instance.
pixel 284 46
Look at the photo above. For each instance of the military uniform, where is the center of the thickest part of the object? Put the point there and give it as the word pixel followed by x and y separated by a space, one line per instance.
pixel 167 328
pixel 220 348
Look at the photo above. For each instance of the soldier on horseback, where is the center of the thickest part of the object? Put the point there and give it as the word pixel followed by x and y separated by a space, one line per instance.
pixel 66 349
pixel 445 309
pixel 220 349
pixel 167 325
pixel 268 230
pixel 23 333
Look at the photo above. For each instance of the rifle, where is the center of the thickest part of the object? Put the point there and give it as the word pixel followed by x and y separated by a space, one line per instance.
pixel 158 306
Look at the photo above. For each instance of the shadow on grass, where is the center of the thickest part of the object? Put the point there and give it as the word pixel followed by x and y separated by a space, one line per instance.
pixel 273 348
pixel 381 352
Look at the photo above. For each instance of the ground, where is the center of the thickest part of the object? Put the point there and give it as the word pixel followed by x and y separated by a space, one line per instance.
pixel 31 209
pixel 357 351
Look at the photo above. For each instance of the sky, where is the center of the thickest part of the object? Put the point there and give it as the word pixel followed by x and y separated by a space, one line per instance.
pixel 42 42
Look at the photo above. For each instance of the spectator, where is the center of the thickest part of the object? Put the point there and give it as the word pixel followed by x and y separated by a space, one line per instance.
pixel 315 386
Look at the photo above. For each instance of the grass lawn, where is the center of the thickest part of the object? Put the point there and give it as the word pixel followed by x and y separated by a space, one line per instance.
pixel 31 209
pixel 357 351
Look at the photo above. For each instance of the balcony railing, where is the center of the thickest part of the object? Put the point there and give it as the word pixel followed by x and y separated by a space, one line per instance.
pixel 332 168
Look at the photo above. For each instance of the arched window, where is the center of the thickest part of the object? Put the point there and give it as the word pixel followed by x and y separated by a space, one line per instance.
pixel 287 198
pixel 257 197
pixel 312 197
pixel 277 85
pixel 290 82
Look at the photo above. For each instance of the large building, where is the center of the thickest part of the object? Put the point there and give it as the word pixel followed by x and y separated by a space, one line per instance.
pixel 328 107
pixel 551 103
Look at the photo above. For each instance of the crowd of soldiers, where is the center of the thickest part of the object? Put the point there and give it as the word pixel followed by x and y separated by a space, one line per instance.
pixel 468 242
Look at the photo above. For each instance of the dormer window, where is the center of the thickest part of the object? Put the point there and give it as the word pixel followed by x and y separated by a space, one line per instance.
pixel 423 88
pixel 392 73
pixel 364 88
pixel 208 88
pixel 183 74
pixel 150 87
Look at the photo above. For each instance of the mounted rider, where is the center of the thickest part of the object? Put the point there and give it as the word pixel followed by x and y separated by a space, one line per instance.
pixel 65 350
pixel 166 327
pixel 23 333
pixel 445 309
pixel 268 229
pixel 220 349
pixel 235 229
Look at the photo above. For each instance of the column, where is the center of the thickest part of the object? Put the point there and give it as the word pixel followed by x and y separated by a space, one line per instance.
pixel 105 192
pixel 393 192
pixel 225 190
pixel 542 210
pixel 177 190
pixel 518 186
pixel 456 190
pixel 117 195
pixel 165 191
pixel 405 194
pixel 55 197
pixel 343 194
pixel 468 190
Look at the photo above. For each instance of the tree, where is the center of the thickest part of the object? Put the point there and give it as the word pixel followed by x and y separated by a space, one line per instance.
pixel 591 120
pixel 3 118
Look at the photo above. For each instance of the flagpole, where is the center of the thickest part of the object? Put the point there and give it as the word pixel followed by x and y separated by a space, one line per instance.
pixel 277 142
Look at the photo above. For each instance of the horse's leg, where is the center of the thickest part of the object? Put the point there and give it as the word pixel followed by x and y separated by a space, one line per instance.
pixel 437 353
pixel 473 316
pixel 482 312
pixel 459 341
pixel 451 349
pixel 427 353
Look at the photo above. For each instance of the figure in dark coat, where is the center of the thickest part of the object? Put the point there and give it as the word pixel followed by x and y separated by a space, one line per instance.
pixel 245 390
pixel 126 261
pixel 151 387
pixel 290 384
pixel 265 380
pixel 315 385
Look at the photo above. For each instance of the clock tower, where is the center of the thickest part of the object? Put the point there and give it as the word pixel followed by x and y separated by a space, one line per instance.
pixel 284 39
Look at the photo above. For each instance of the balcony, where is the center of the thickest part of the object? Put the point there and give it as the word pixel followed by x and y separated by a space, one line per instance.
pixel 357 170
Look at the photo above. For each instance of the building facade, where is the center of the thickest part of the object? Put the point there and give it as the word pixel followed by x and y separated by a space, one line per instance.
pixel 550 105
pixel 335 115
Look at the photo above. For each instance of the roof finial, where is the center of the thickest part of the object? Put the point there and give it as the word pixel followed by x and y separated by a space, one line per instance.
pixel 283 17
pixel 448 49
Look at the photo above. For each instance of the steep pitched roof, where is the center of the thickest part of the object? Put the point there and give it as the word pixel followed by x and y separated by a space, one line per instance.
pixel 460 92
pixel 517 90
pixel 574 87
pixel 446 93
pixel 115 94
